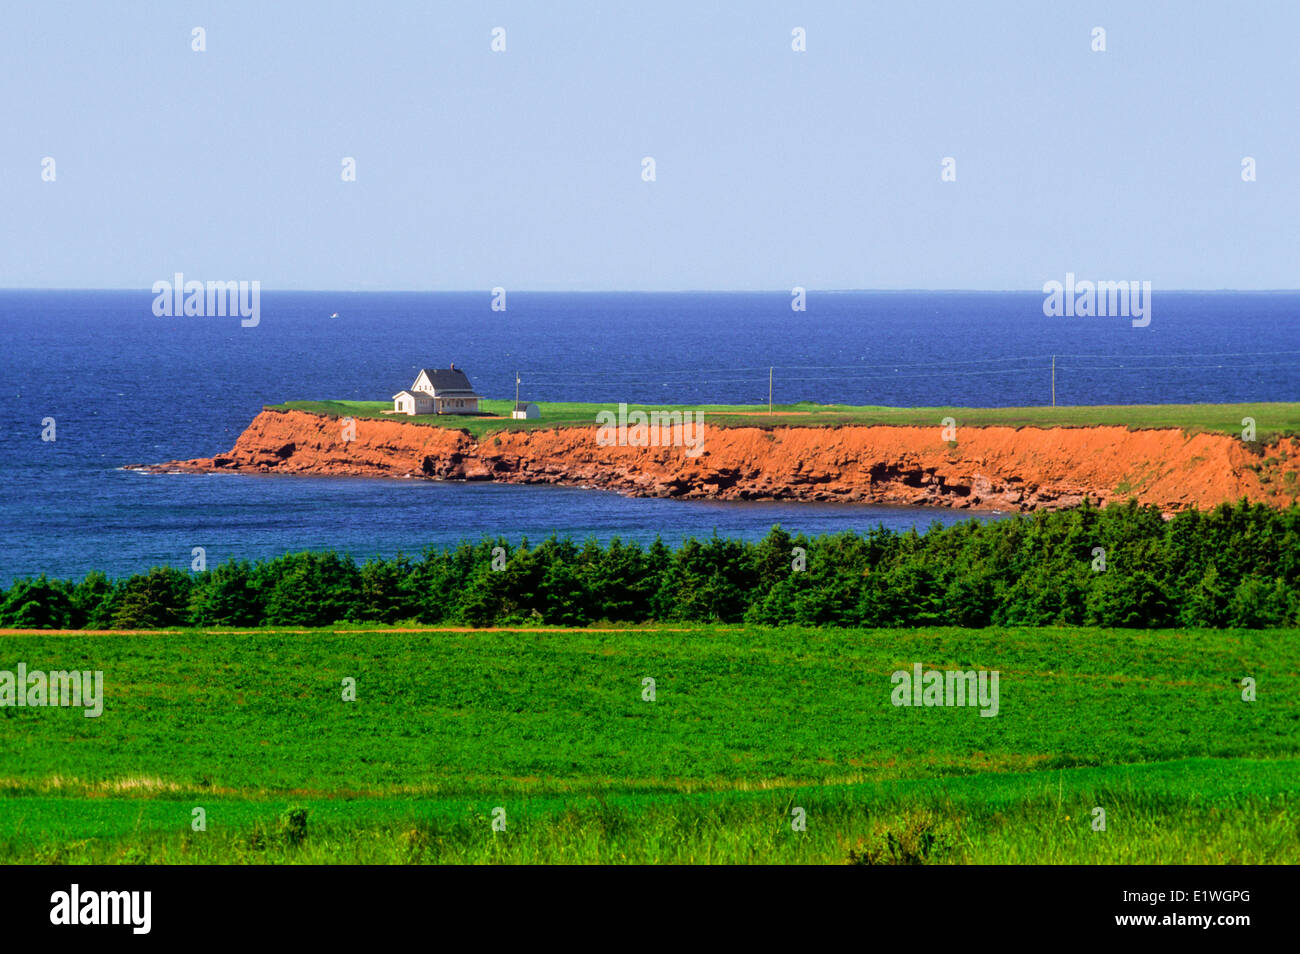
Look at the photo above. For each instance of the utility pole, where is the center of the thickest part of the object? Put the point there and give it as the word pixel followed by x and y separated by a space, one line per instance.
pixel 769 391
pixel 516 392
pixel 1053 380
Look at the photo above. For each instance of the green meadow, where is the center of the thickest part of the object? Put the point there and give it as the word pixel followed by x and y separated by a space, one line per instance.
pixel 1272 419
pixel 551 734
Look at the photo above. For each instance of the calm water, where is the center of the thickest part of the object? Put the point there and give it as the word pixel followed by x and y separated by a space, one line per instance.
pixel 127 387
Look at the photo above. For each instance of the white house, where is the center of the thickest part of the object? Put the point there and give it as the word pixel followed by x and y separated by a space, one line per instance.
pixel 525 411
pixel 438 392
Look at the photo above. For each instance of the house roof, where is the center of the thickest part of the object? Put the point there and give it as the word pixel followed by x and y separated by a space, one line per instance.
pixel 451 380
pixel 415 394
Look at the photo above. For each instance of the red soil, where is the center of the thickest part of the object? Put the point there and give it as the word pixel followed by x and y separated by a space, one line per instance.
pixel 990 467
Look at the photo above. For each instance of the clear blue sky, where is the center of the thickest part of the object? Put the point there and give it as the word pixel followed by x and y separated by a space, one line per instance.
pixel 775 168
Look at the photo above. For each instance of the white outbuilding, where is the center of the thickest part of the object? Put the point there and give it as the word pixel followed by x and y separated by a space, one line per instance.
pixel 412 402
pixel 526 411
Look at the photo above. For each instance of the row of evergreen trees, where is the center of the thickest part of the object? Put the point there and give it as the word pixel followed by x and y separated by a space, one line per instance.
pixel 1120 566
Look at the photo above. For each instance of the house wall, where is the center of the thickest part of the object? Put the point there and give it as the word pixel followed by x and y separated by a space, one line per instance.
pixel 457 405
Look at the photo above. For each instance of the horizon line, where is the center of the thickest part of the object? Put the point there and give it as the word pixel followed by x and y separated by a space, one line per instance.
pixel 630 291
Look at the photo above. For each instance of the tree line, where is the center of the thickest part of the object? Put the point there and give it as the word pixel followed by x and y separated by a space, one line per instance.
pixel 1122 565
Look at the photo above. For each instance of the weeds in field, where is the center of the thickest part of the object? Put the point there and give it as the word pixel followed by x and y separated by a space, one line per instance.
pixel 919 837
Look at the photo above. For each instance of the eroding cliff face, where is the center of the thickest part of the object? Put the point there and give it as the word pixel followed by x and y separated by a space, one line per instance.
pixel 989 468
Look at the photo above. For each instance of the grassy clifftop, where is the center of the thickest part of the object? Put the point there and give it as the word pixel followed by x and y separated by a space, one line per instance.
pixel 1272 419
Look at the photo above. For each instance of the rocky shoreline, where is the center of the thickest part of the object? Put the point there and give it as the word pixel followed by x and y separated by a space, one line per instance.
pixel 997 468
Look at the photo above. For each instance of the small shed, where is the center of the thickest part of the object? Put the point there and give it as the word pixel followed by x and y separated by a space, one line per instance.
pixel 526 411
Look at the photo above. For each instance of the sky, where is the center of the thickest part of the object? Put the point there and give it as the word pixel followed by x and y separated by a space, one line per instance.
pixel 773 168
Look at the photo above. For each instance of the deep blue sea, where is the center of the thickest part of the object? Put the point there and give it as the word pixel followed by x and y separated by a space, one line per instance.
pixel 127 387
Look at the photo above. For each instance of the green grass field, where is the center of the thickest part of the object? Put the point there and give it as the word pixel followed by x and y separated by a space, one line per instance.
pixel 1272 419
pixel 746 725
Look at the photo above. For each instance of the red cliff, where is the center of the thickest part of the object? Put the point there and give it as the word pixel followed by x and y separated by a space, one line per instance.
pixel 988 467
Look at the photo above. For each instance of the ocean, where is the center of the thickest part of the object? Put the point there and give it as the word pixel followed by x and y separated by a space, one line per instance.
pixel 126 387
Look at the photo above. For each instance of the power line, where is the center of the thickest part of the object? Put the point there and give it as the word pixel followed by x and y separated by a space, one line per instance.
pixel 785 367
pixel 850 374
pixel 1210 354
pixel 649 378
pixel 1169 367
pixel 589 375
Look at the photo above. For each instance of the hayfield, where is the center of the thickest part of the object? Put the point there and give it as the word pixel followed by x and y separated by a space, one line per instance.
pixel 746 725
